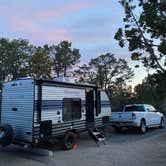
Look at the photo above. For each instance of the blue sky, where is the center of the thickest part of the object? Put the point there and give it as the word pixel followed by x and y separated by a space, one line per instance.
pixel 90 25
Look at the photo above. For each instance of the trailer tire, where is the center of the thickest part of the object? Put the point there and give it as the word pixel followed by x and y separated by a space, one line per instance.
pixel 68 140
pixel 6 135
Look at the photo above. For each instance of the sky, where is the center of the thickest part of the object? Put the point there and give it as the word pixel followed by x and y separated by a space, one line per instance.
pixel 89 25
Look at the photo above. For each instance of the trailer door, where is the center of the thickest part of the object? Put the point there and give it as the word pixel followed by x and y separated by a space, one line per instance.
pixel 90 108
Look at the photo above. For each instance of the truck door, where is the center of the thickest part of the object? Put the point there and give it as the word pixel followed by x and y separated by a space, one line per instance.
pixel 153 117
pixel 150 119
pixel 156 116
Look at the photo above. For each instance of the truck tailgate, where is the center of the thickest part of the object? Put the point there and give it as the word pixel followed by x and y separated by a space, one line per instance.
pixel 121 117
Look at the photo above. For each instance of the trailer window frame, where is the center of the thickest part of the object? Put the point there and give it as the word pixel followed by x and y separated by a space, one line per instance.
pixel 71 109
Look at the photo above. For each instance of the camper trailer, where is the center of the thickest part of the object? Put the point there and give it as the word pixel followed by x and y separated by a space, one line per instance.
pixel 34 110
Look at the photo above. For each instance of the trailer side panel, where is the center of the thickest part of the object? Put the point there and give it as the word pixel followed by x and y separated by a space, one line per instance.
pixel 17 108
pixel 52 104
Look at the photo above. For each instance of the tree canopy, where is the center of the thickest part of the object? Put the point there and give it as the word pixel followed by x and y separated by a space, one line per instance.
pixel 145 32
pixel 108 69
pixel 63 57
pixel 84 74
pixel 20 59
pixel 120 94
pixel 152 91
pixel 40 63
pixel 104 70
pixel 13 58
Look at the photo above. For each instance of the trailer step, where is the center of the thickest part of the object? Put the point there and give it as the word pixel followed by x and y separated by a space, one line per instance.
pixel 97 136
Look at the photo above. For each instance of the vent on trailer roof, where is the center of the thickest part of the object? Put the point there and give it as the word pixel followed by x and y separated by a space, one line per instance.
pixel 65 79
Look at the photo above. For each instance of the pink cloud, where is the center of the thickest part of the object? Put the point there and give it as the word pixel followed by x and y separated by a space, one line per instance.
pixel 31 29
pixel 32 26
pixel 61 11
pixel 21 23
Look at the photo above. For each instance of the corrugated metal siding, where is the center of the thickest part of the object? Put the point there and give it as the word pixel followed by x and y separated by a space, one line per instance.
pixel 98 122
pixel 58 93
pixel 20 96
pixel 61 128
pixel 52 102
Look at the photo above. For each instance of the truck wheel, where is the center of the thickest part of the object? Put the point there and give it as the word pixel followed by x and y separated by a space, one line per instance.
pixel 142 127
pixel 6 135
pixel 68 141
pixel 162 123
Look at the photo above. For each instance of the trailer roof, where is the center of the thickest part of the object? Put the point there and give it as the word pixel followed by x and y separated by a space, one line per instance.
pixel 65 83
pixel 52 82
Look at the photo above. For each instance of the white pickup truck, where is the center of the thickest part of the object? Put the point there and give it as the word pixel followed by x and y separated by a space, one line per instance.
pixel 140 116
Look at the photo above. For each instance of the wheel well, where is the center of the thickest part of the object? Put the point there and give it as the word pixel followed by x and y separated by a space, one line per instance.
pixel 143 120
pixel 7 138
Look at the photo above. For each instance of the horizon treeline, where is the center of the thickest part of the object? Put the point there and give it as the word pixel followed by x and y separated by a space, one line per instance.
pixel 19 58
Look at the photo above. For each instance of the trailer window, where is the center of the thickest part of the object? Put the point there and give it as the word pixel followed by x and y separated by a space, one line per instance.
pixel 76 109
pixel 71 109
pixel 67 109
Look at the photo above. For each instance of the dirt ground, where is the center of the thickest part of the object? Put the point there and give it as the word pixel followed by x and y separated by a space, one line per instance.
pixel 121 149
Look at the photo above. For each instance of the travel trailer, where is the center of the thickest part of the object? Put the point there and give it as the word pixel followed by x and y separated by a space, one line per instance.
pixel 35 110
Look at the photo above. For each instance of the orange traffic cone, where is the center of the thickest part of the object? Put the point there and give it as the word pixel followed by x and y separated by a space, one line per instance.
pixel 75 146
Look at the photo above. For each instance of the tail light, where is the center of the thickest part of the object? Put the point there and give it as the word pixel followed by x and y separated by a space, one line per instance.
pixel 134 116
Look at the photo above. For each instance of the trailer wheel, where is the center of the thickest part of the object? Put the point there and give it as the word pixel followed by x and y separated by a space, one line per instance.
pixel 68 141
pixel 6 135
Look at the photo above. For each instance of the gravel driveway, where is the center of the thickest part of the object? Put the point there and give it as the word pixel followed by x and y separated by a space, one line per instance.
pixel 124 149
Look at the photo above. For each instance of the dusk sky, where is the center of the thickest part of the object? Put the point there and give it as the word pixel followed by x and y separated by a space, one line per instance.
pixel 89 25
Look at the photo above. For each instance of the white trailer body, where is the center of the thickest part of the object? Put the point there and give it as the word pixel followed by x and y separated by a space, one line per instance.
pixel 38 109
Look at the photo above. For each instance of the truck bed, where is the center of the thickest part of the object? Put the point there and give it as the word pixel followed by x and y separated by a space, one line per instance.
pixel 121 117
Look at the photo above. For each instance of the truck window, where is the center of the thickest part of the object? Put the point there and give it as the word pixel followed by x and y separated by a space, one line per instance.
pixel 152 109
pixel 134 108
